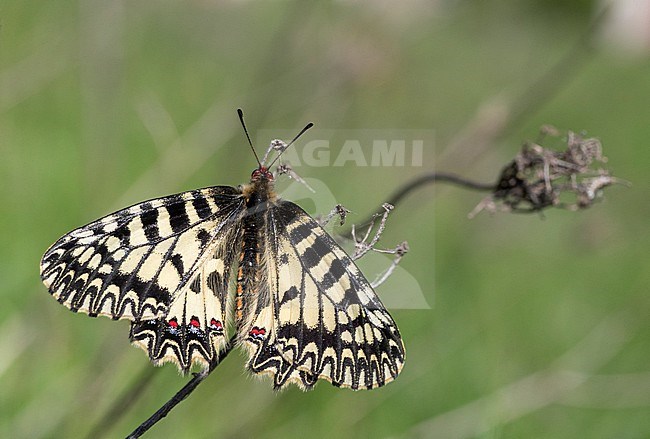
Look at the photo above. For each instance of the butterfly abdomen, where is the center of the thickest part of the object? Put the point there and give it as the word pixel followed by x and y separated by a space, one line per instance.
pixel 249 259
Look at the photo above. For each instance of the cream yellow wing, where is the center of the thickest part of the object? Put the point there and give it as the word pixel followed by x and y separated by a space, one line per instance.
pixel 133 263
pixel 322 318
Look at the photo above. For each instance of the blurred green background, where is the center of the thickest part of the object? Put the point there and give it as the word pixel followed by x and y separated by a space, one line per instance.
pixel 538 327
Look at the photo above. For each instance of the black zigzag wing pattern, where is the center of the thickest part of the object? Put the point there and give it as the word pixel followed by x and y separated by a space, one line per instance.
pixel 322 319
pixel 134 263
pixel 195 327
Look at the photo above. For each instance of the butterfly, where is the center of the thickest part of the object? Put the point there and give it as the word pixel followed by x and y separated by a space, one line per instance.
pixel 190 269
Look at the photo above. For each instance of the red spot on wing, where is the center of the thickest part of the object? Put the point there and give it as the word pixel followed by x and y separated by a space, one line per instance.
pixel 173 323
pixel 258 332
pixel 216 324
pixel 194 321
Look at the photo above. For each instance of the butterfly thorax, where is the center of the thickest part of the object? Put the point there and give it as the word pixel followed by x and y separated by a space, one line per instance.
pixel 260 189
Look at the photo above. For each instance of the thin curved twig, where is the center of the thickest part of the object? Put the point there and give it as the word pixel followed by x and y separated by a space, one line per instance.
pixel 181 394
pixel 429 178
pixel 436 177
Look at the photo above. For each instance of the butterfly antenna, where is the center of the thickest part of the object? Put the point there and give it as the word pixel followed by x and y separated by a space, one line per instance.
pixel 241 118
pixel 309 125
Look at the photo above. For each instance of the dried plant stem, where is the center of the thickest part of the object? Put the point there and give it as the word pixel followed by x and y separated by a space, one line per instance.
pixel 181 394
pixel 423 180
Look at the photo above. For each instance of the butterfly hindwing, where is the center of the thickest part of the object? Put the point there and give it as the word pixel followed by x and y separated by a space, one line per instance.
pixel 195 328
pixel 133 263
pixel 323 320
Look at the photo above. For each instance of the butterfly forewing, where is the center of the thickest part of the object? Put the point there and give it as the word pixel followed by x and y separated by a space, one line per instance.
pixel 323 319
pixel 133 263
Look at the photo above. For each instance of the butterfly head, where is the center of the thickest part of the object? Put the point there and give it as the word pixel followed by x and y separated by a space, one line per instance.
pixel 262 178
pixel 260 174
pixel 260 188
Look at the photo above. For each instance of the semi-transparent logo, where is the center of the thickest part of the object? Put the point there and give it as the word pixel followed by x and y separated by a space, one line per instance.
pixel 363 147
